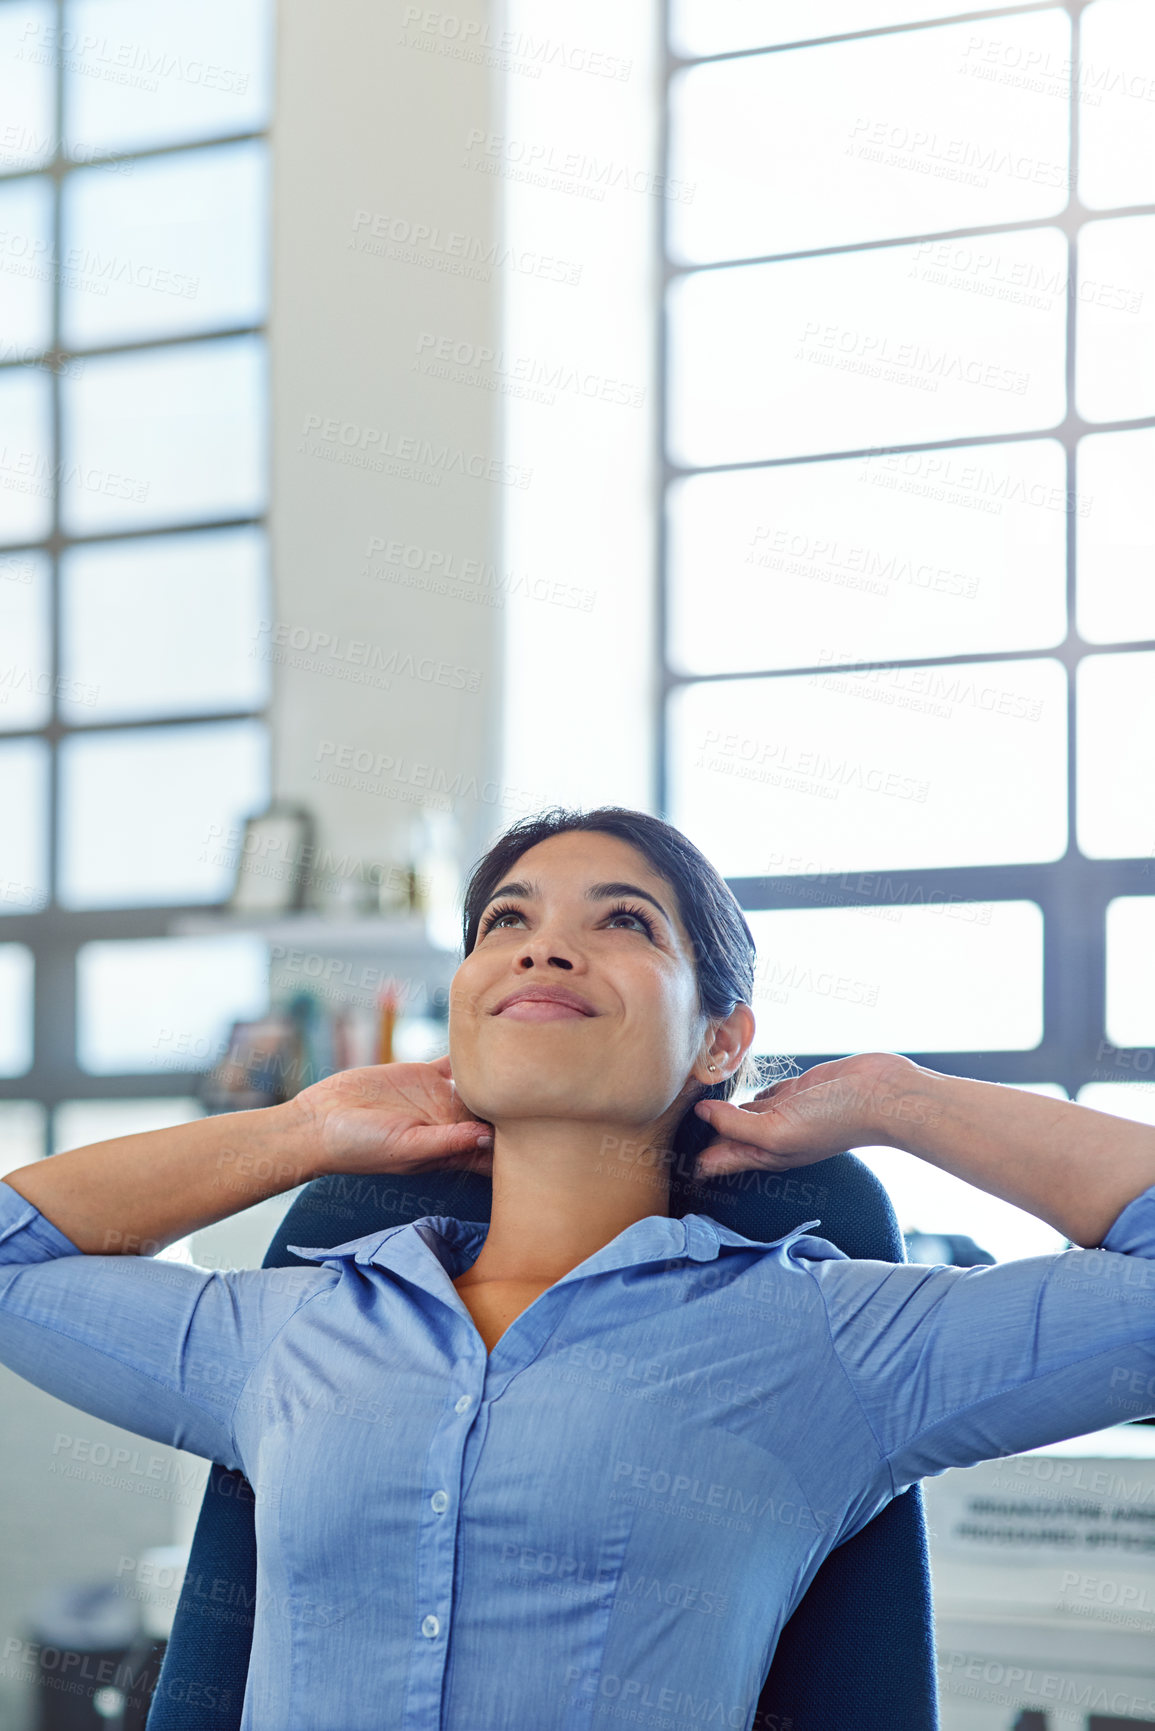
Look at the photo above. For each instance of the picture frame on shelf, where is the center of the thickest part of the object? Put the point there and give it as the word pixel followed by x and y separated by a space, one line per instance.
pixel 263 1066
pixel 272 870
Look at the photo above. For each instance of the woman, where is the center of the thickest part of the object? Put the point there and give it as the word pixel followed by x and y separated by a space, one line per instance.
pixel 509 1479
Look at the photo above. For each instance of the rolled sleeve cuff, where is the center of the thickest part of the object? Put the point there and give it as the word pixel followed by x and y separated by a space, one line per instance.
pixel 1134 1229
pixel 26 1235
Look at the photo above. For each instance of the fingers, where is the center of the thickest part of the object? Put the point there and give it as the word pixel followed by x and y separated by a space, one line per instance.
pixel 444 1141
pixel 723 1114
pixel 723 1157
pixel 474 1134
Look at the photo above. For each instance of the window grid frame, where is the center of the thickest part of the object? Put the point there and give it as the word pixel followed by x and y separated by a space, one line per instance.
pixel 1073 892
pixel 55 934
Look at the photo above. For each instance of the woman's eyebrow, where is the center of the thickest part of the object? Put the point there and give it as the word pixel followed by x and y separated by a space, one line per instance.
pixel 513 889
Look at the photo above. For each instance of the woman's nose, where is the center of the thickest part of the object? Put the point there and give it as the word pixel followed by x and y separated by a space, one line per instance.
pixel 531 959
pixel 545 949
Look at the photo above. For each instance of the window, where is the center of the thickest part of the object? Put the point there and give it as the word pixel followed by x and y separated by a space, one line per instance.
pixel 133 291
pixel 909 629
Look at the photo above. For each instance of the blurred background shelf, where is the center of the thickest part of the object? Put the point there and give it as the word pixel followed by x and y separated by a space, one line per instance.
pixel 408 939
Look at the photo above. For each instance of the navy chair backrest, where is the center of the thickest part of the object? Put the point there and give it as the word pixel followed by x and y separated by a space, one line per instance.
pixel 858 1653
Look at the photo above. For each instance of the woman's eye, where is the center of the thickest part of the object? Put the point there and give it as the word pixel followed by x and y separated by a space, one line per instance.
pixel 500 919
pixel 640 923
pixel 637 922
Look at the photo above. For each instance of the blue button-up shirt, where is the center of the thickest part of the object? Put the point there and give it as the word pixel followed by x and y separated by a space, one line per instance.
pixel 613 1513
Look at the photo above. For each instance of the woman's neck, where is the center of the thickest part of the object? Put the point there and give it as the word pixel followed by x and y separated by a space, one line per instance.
pixel 563 1190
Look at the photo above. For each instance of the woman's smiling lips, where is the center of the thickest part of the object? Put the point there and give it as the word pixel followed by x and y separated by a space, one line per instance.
pixel 544 1004
pixel 541 1010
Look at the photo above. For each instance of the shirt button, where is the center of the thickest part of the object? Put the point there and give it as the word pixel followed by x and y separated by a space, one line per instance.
pixel 430 1627
pixel 462 1404
pixel 439 1502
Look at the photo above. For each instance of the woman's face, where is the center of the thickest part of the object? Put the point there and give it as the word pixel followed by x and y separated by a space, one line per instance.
pixel 582 914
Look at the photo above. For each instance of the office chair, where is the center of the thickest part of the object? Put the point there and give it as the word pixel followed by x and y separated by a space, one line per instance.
pixel 858 1652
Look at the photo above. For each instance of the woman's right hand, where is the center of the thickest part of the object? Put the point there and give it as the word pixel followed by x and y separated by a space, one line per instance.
pixel 391 1118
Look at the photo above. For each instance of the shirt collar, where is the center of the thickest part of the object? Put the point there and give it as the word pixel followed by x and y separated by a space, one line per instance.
pixel 454 1244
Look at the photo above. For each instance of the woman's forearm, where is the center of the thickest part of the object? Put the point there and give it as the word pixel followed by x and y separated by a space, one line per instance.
pixel 1071 1166
pixel 135 1194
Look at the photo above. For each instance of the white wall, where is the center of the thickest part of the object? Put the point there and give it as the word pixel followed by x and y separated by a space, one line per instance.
pixel 386 693
pixel 464 256
pixel 577 154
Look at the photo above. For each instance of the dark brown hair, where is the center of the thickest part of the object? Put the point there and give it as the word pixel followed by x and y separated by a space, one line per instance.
pixel 723 944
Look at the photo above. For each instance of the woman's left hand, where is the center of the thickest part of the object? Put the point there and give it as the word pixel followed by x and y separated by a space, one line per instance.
pixel 846 1103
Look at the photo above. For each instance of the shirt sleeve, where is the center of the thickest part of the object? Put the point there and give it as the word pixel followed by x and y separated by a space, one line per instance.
pixel 161 1348
pixel 957 1365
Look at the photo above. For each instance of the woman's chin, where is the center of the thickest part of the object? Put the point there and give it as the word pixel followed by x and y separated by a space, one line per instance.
pixel 528 1097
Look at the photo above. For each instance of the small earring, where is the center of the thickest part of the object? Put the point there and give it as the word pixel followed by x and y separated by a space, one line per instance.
pixel 711 1066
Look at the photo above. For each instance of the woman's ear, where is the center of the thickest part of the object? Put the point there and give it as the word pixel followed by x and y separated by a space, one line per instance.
pixel 726 1046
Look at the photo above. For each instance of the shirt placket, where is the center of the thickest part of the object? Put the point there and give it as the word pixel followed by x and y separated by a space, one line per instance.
pixel 437 1533
pixel 457 1441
